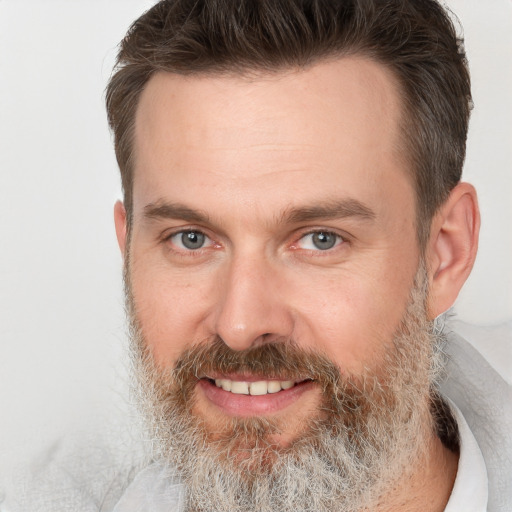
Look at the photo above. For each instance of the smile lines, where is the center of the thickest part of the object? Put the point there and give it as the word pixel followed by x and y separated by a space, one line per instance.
pixel 258 388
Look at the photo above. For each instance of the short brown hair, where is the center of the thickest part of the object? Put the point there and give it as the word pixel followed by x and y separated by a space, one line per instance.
pixel 416 39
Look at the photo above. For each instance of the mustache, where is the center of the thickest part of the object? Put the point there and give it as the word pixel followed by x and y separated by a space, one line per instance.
pixel 345 402
pixel 342 395
pixel 280 359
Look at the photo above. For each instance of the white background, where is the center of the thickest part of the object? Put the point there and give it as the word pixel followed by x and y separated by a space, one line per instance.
pixel 61 307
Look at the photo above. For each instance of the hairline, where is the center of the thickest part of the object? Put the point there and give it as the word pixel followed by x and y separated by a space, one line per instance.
pixel 403 147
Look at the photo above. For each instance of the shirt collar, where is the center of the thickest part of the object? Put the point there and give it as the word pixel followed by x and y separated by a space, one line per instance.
pixel 470 491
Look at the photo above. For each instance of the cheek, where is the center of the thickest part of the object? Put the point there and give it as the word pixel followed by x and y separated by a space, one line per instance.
pixel 353 318
pixel 171 308
pixel 349 313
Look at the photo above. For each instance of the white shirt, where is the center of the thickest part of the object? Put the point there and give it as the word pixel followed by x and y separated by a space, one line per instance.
pixel 470 491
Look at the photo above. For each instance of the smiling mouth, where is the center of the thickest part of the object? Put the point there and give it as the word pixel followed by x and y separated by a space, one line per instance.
pixel 243 395
pixel 255 388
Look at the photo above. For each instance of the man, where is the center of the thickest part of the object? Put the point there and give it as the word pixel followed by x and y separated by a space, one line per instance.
pixel 293 224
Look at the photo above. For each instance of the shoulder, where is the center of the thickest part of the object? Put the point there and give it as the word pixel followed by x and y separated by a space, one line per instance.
pixel 484 396
pixel 78 473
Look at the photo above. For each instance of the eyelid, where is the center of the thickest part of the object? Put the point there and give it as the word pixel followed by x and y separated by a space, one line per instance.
pixel 167 236
pixel 342 239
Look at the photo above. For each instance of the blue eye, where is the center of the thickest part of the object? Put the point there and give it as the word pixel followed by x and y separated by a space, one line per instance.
pixel 190 240
pixel 320 241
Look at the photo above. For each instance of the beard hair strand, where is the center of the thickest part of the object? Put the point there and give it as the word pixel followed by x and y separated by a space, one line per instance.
pixel 369 430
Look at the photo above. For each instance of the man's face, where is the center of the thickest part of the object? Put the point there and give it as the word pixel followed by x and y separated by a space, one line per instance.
pixel 272 210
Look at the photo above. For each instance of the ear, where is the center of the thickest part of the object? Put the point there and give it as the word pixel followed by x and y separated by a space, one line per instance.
pixel 452 247
pixel 120 223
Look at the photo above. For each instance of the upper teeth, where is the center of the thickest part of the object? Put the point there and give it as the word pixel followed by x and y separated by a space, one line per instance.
pixel 261 387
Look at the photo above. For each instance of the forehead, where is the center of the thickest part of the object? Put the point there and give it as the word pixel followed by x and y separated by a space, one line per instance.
pixel 335 124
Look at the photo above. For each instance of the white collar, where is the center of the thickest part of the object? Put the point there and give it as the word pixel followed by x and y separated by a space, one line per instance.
pixel 470 491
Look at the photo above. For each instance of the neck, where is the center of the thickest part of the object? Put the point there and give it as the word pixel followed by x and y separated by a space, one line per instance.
pixel 427 486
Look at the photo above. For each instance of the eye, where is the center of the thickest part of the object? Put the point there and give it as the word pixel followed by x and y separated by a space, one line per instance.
pixel 190 240
pixel 320 241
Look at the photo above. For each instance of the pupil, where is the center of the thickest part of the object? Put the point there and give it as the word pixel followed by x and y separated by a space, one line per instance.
pixel 192 240
pixel 324 240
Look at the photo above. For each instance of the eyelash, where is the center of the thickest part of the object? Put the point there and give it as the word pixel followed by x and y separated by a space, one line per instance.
pixel 167 239
pixel 341 240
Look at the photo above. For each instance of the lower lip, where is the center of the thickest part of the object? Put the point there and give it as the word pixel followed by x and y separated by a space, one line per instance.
pixel 248 405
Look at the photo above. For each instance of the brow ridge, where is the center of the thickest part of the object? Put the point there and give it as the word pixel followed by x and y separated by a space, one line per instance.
pixel 336 209
pixel 168 210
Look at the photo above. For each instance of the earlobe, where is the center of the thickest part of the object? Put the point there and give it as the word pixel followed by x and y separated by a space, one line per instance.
pixel 120 224
pixel 452 247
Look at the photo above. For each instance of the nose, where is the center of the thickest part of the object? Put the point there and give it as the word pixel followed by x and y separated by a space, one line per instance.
pixel 252 308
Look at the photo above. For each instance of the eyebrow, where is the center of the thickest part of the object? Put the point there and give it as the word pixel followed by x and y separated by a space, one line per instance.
pixel 166 210
pixel 337 209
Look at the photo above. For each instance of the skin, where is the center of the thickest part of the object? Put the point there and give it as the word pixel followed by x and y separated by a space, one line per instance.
pixel 251 158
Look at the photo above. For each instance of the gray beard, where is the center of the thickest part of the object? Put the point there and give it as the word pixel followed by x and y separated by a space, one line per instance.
pixel 370 429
